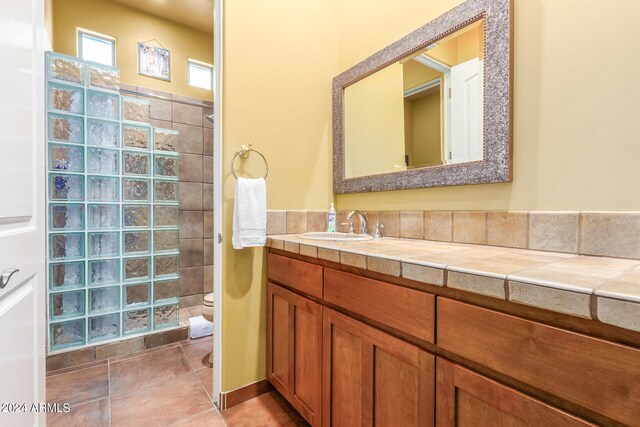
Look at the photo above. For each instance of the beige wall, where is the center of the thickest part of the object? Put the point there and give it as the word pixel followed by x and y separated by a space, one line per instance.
pixel 129 27
pixel 575 132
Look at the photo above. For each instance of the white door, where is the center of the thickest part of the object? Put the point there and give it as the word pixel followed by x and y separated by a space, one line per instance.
pixel 22 212
pixel 465 142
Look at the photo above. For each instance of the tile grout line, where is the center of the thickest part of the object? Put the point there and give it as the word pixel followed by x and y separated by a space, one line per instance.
pixel 109 391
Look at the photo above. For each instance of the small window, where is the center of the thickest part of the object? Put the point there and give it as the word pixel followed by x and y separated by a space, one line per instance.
pixel 96 47
pixel 200 74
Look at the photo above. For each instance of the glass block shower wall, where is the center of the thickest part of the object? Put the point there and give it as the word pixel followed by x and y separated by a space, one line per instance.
pixel 112 210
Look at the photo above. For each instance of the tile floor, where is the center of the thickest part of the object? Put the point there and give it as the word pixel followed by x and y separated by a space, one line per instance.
pixel 169 385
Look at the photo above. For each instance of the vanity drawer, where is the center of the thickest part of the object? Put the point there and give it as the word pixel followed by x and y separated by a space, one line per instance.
pixel 599 375
pixel 299 275
pixel 406 310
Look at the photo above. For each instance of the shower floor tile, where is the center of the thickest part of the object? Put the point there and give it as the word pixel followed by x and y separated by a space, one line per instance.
pixel 94 414
pixel 162 403
pixel 79 386
pixel 128 375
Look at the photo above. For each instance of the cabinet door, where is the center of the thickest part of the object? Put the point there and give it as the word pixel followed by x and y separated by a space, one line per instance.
pixel 372 378
pixel 294 350
pixel 465 398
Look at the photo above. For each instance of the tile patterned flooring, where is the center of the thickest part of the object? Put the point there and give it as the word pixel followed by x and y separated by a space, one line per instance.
pixel 169 385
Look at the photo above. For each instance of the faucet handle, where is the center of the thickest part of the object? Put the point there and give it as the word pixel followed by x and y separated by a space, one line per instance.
pixel 377 234
pixel 352 230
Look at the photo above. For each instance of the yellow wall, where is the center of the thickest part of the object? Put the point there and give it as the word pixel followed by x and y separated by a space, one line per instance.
pixel 279 59
pixel 426 124
pixel 575 131
pixel 129 27
pixel 461 46
pixel 374 113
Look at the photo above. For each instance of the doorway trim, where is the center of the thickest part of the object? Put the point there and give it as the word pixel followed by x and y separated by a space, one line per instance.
pixel 217 199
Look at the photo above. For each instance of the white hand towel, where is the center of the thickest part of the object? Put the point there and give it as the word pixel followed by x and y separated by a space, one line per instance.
pixel 250 213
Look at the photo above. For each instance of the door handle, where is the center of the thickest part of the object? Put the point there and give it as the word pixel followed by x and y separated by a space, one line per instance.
pixel 6 276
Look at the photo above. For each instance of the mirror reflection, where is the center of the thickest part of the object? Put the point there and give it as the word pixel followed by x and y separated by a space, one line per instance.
pixel 424 110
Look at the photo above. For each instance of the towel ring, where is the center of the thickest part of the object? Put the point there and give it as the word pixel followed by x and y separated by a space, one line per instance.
pixel 244 152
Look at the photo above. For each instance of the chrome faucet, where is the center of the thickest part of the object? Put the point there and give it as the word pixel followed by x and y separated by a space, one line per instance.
pixel 364 225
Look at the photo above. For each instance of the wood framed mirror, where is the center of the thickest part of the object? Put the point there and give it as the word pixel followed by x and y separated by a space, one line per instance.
pixel 432 109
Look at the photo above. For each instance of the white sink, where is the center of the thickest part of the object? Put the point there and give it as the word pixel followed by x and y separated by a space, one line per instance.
pixel 336 237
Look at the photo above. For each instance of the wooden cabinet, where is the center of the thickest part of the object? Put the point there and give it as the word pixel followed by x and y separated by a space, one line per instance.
pixel 598 375
pixel 406 310
pixel 349 350
pixel 294 350
pixel 466 398
pixel 372 378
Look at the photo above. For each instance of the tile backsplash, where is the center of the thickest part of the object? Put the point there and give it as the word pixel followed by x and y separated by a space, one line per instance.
pixel 612 234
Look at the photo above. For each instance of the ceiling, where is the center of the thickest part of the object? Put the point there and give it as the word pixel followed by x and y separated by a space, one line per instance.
pixel 197 14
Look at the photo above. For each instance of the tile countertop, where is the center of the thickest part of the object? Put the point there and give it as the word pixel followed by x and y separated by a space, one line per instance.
pixel 559 282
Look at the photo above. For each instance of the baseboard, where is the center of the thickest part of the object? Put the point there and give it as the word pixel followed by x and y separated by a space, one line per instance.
pixel 235 397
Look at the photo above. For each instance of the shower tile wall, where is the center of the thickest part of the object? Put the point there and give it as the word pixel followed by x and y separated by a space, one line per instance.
pixel 113 210
pixel 196 186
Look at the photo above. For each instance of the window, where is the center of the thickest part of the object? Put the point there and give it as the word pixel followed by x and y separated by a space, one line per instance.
pixel 96 47
pixel 200 74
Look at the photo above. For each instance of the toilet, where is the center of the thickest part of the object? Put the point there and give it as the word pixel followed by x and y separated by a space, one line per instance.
pixel 207 313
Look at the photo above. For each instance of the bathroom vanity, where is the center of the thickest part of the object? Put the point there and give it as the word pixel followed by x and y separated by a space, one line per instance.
pixel 352 341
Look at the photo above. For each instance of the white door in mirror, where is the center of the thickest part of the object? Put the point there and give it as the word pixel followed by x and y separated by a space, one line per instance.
pixel 465 93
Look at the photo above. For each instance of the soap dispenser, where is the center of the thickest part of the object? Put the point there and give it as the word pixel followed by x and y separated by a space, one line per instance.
pixel 331 220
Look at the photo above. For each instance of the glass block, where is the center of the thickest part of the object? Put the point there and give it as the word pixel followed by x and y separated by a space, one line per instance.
pixel 136 268
pixel 165 316
pixel 66 98
pixel 135 110
pixel 103 189
pixel 103 104
pixel 66 217
pixel 103 133
pixel 102 161
pixel 135 163
pixel 66 304
pixel 136 321
pixel 165 240
pixel 104 299
pixel 165 166
pixel 136 136
pixel 137 294
pixel 165 265
pixel 66 246
pixel 103 76
pixel 66 187
pixel 66 275
pixel 104 327
pixel 165 191
pixel 66 334
pixel 66 128
pixel 136 242
pixel 165 216
pixel 165 139
pixel 104 272
pixel 104 217
pixel 63 67
pixel 104 244
pixel 135 216
pixel 69 158
pixel 135 190
pixel 165 291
